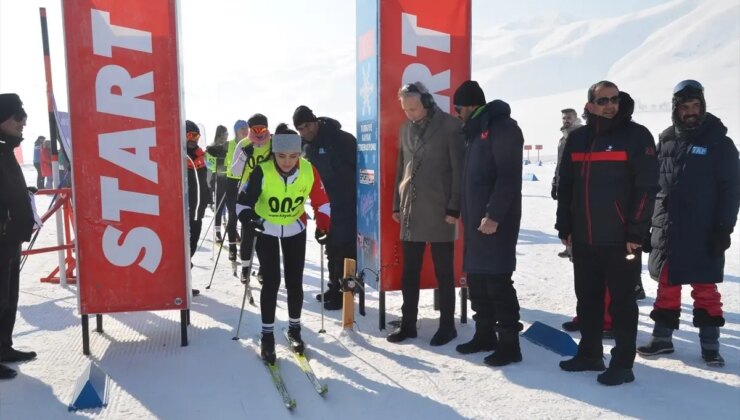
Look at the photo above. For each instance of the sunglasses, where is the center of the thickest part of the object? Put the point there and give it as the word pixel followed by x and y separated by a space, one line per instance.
pixel 260 129
pixel 458 108
pixel 604 100
pixel 192 135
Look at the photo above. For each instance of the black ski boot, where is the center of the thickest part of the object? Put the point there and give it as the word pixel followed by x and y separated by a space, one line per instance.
pixel 219 238
pixel 232 252
pixel 508 350
pixel 267 348
pixel 296 342
pixel 484 339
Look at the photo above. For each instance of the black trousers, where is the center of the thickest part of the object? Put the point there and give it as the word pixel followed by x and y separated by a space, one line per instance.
pixel 442 256
pixel 220 183
pixel 232 192
pixel 335 255
pixel 10 263
pixel 494 300
pixel 195 227
pixel 294 256
pixel 597 267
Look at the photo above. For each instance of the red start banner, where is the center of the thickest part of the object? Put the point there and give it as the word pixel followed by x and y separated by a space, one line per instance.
pixel 538 147
pixel 527 147
pixel 426 41
pixel 128 168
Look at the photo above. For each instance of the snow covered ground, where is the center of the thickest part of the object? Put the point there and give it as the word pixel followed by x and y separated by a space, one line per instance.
pixel 368 378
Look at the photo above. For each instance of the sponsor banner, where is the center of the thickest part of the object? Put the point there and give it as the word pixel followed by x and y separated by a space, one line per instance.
pixel 125 108
pixel 419 41
pixel 368 153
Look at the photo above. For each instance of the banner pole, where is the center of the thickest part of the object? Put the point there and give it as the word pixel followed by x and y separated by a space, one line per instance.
pixel 53 135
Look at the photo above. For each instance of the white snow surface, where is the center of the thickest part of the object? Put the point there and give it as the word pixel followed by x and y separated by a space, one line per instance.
pixel 152 376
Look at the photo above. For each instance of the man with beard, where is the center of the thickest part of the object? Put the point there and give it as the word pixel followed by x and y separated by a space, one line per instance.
pixel 333 152
pixel 607 183
pixel 16 226
pixel 570 123
pixel 695 214
pixel 491 215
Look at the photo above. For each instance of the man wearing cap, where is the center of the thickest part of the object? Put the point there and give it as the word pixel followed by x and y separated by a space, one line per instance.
pixel 272 205
pixel 333 152
pixel 250 152
pixel 16 226
pixel 491 213
pixel 426 204
pixel 241 130
pixel 695 214
pixel 608 179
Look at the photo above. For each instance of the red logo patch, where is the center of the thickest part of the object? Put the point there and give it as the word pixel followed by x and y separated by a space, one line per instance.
pixel 484 135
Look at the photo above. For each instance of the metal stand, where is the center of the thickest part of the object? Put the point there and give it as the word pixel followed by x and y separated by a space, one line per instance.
pixel 184 322
pixel 463 305
pixel 85 336
pixel 436 299
pixel 381 310
pixel 99 323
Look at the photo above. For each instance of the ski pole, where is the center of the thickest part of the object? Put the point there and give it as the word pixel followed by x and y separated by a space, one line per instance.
pixel 323 297
pixel 213 273
pixel 210 224
pixel 246 290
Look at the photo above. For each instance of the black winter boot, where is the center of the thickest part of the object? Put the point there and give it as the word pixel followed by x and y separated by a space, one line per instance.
pixel 401 333
pixel 616 376
pixel 508 350
pixel 582 364
pixel 267 348
pixel 484 339
pixel 443 336
pixel 232 252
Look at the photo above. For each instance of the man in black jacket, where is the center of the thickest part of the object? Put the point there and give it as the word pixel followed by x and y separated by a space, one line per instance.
pixel 491 214
pixel 16 226
pixel 607 183
pixel 198 192
pixel 333 152
pixel 695 213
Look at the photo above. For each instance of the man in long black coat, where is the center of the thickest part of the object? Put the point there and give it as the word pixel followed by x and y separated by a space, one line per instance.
pixel 16 226
pixel 333 152
pixel 608 180
pixel 695 213
pixel 491 213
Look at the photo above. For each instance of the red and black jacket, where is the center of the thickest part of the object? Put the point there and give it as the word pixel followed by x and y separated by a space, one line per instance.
pixel 608 180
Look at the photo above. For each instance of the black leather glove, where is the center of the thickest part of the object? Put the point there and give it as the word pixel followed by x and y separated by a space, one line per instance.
pixel 720 242
pixel 251 221
pixel 554 192
pixel 248 149
pixel 322 237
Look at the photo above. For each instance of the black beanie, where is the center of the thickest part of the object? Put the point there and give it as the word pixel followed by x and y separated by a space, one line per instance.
pixel 303 114
pixel 191 127
pixel 469 94
pixel 10 104
pixel 257 119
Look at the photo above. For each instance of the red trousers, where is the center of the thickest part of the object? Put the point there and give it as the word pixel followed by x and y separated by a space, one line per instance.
pixel 607 315
pixel 705 295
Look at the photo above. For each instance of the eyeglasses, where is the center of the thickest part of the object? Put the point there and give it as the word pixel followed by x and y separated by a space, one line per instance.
pixel 259 129
pixel 192 135
pixel 605 100
pixel 458 108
